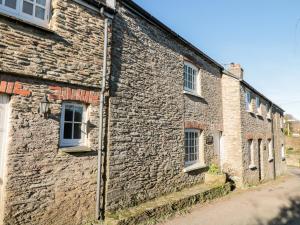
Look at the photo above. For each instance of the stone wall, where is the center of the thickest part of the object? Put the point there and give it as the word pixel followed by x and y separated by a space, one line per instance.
pixel 241 126
pixel 45 186
pixel 71 51
pixel 148 111
pixel 280 162
pixel 231 162
pixel 256 127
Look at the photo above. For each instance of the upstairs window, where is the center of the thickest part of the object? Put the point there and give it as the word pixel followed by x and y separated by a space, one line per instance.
pixel 258 106
pixel 73 125
pixel 191 78
pixel 269 111
pixel 281 121
pixel 248 101
pixel 33 11
pixel 192 146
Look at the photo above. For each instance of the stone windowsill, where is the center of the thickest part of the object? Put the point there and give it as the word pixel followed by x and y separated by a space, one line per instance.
pixel 259 115
pixel 252 167
pixel 192 94
pixel 271 159
pixel 251 112
pixel 193 167
pixel 75 149
pixel 269 118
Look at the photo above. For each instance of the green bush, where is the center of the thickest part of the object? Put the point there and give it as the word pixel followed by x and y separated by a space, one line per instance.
pixel 214 169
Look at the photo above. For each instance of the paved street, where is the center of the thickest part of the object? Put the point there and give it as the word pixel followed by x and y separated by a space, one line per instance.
pixel 274 203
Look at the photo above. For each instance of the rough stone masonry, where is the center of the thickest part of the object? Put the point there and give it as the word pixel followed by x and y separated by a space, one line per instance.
pixel 145 115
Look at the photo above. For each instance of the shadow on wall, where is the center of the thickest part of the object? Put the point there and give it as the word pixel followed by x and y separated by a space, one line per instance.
pixel 288 215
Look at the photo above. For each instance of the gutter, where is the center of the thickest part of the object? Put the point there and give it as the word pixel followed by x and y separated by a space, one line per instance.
pixel 99 214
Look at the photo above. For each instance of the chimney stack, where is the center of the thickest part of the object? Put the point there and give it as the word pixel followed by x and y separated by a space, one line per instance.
pixel 236 70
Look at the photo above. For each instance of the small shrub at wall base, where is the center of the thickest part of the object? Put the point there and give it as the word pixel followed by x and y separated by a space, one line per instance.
pixel 214 169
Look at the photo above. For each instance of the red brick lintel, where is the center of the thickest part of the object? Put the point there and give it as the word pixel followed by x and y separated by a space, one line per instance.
pixel 194 125
pixel 13 88
pixel 66 93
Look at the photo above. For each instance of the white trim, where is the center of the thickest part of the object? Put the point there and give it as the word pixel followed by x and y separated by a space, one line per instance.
pixel 270 150
pixel 252 167
pixel 258 106
pixel 73 142
pixel 250 146
pixel 193 167
pixel 19 14
pixel 196 82
pixel 4 146
pixel 200 153
pixel 248 100
pixel 192 93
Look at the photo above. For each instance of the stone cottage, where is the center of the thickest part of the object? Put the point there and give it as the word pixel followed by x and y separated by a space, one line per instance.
pixel 253 131
pixel 104 107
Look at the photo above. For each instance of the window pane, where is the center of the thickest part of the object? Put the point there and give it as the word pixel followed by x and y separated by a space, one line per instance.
pixel 39 12
pixel 11 3
pixel 77 131
pixel 67 131
pixel 27 8
pixel 0 2
pixel 68 113
pixel 78 114
pixel 41 2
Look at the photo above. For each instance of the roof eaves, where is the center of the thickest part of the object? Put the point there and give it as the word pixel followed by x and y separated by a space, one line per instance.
pixel 260 94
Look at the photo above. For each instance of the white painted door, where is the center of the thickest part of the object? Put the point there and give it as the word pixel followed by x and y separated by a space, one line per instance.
pixel 4 110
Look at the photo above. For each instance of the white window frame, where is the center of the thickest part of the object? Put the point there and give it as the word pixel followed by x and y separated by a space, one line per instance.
pixel 248 100
pixel 282 152
pixel 196 80
pixel 73 142
pixel 258 105
pixel 281 122
pixel 19 14
pixel 269 114
pixel 251 151
pixel 198 148
pixel 270 150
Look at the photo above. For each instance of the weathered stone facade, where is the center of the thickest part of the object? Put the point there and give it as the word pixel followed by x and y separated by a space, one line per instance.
pixel 242 125
pixel 146 113
pixel 44 185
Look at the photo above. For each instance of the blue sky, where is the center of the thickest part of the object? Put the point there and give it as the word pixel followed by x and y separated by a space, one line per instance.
pixel 261 35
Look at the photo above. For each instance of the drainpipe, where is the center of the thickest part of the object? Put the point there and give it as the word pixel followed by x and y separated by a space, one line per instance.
pixel 101 112
pixel 273 143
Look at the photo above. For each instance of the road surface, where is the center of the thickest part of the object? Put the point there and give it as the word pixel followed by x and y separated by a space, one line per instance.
pixel 273 203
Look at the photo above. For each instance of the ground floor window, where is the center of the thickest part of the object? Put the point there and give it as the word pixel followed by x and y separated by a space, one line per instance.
pixel 192 142
pixel 73 124
pixel 250 146
pixel 282 152
pixel 270 148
